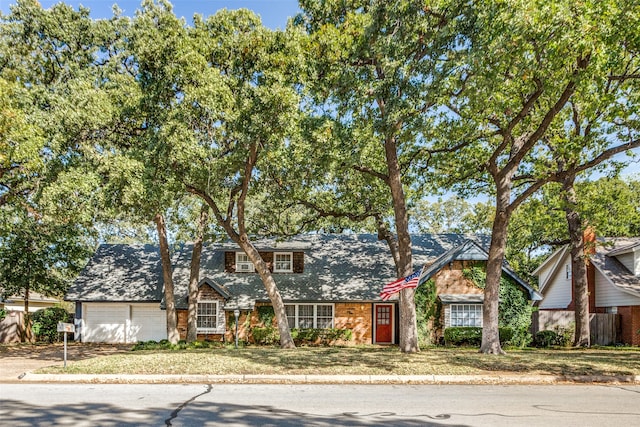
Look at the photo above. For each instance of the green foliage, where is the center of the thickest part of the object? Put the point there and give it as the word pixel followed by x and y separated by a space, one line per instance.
pixel 472 336
pixel 559 337
pixel 304 336
pixel 609 205
pixel 514 311
pixel 181 345
pixel 265 336
pixel 45 323
pixel 317 336
pixel 265 315
pixel 452 215
pixel 3 314
pixel 427 311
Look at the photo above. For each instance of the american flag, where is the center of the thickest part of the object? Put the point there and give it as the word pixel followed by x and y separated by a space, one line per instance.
pixel 410 281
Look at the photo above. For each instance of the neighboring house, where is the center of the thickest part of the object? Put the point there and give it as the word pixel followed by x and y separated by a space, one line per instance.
pixel 13 323
pixel 613 275
pixel 326 281
pixel 37 302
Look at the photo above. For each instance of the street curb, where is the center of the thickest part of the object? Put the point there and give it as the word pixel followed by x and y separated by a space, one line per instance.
pixel 328 379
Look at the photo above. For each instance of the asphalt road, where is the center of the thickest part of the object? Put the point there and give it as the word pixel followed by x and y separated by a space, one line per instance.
pixel 317 405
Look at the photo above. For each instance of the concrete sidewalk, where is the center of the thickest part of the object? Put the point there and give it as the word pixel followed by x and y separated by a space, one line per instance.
pixel 324 379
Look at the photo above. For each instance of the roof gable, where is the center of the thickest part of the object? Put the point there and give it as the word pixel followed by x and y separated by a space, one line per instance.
pixel 470 250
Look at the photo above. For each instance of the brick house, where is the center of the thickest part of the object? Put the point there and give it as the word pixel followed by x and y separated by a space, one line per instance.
pixel 326 281
pixel 613 278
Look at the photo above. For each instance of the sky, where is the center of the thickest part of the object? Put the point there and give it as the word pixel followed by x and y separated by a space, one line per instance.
pixel 274 13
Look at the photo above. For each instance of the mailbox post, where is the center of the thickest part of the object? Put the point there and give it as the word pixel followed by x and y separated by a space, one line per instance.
pixel 66 328
pixel 236 314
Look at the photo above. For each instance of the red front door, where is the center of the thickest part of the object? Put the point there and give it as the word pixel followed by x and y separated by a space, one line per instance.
pixel 384 323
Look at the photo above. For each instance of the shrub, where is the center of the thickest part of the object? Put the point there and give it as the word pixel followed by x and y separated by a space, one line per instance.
pixel 265 336
pixel 514 310
pixel 544 339
pixel 181 345
pixel 471 336
pixel 303 336
pixel 314 336
pixel 3 314
pixel 45 323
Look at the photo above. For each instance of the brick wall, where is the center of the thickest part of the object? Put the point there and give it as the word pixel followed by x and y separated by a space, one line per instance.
pixel 357 317
pixel 450 280
pixel 630 324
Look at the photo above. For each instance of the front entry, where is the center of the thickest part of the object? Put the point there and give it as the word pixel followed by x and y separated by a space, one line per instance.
pixel 384 323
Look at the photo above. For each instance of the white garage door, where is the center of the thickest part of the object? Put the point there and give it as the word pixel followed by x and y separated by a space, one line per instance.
pixel 123 323
pixel 147 323
pixel 105 323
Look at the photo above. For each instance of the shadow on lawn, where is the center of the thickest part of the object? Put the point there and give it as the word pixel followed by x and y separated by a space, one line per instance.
pixel 320 358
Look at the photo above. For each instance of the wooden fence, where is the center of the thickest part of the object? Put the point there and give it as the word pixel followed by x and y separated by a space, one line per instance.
pixel 604 328
pixel 11 326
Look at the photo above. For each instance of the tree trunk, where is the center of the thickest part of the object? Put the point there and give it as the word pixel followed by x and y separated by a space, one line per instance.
pixel 194 277
pixel 172 322
pixel 27 335
pixel 490 330
pixel 408 319
pixel 272 290
pixel 578 265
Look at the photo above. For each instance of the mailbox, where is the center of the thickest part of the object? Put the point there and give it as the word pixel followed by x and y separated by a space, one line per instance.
pixel 66 327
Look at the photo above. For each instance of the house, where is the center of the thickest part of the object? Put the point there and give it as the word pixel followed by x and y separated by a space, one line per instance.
pixel 613 276
pixel 37 301
pixel 326 281
pixel 12 323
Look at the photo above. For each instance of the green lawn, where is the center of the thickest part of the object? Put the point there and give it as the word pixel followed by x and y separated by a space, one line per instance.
pixel 359 360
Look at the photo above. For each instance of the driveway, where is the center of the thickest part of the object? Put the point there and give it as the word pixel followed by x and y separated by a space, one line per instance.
pixel 17 359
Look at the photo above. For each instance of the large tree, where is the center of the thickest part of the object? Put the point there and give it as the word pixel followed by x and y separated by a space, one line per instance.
pixel 219 103
pixel 527 62
pixel 378 69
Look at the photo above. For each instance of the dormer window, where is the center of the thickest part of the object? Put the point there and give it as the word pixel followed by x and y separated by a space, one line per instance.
pixel 243 264
pixel 283 262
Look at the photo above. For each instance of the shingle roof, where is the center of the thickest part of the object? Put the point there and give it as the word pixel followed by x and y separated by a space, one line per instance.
pixel 345 267
pixel 120 273
pixel 605 261
pixel 337 268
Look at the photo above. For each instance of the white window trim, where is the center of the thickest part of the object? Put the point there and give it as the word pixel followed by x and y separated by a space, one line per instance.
pixel 246 262
pixel 217 317
pixel 275 263
pixel 315 313
pixel 463 305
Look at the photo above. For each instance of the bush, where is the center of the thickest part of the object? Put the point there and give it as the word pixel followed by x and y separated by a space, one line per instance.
pixel 181 345
pixel 472 336
pixel 313 336
pixel 45 323
pixel 304 336
pixel 265 336
pixel 544 339
pixel 558 338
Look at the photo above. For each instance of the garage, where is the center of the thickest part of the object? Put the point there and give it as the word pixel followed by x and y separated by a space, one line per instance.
pixel 122 323
pixel 148 322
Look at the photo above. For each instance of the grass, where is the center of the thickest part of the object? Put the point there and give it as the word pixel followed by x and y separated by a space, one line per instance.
pixel 359 360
